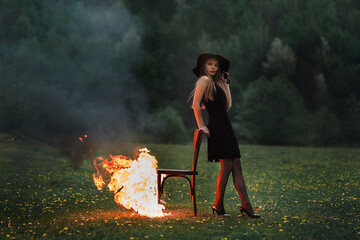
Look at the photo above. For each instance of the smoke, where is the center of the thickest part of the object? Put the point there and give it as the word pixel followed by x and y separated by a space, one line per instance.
pixel 66 70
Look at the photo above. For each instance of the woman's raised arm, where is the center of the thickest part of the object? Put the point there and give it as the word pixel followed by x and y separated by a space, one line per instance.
pixel 227 89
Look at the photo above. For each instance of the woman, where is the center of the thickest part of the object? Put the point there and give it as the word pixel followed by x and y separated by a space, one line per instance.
pixel 213 93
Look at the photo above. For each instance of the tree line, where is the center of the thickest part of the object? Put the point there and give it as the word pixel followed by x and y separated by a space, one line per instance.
pixel 122 68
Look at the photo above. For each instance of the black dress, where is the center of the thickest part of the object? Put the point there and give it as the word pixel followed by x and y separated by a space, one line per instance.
pixel 222 142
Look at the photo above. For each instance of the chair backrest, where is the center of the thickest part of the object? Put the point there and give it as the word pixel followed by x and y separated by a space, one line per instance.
pixel 198 134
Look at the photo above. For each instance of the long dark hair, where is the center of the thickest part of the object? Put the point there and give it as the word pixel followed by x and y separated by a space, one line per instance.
pixel 210 89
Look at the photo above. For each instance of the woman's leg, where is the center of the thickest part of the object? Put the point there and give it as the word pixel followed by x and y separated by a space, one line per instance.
pixel 240 186
pixel 222 179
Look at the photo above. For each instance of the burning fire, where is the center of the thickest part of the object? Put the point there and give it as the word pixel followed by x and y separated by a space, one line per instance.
pixel 134 182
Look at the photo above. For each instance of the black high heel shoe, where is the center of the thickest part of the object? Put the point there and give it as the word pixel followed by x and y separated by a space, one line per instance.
pixel 252 215
pixel 218 212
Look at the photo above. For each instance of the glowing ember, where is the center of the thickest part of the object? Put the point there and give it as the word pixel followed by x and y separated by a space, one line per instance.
pixel 134 182
pixel 81 139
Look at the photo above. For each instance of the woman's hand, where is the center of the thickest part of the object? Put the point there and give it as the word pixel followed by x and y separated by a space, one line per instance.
pixel 206 131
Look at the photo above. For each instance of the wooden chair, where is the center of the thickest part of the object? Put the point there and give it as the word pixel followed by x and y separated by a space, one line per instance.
pixel 198 134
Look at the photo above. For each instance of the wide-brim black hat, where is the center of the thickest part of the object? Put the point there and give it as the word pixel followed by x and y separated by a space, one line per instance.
pixel 224 63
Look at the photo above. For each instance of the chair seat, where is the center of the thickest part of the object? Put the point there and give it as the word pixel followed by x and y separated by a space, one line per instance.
pixel 176 172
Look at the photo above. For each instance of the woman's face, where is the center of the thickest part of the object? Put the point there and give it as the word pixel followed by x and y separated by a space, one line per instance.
pixel 212 66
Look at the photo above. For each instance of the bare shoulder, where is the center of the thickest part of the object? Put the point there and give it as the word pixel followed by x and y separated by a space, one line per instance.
pixel 203 81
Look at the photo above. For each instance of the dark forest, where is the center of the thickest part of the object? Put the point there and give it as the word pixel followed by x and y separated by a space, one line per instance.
pixel 122 69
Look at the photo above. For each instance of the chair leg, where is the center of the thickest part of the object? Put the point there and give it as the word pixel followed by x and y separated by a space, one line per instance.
pixel 193 194
pixel 194 202
pixel 159 186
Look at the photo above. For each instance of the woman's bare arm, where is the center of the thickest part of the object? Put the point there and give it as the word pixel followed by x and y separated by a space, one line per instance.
pixel 198 96
pixel 227 86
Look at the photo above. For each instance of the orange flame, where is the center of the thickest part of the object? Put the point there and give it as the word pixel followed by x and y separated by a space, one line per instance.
pixel 134 182
pixel 99 182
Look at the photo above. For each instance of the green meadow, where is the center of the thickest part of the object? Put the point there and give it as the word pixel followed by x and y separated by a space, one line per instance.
pixel 300 192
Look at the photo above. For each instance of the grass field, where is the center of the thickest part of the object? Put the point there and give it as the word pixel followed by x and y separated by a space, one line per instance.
pixel 300 192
